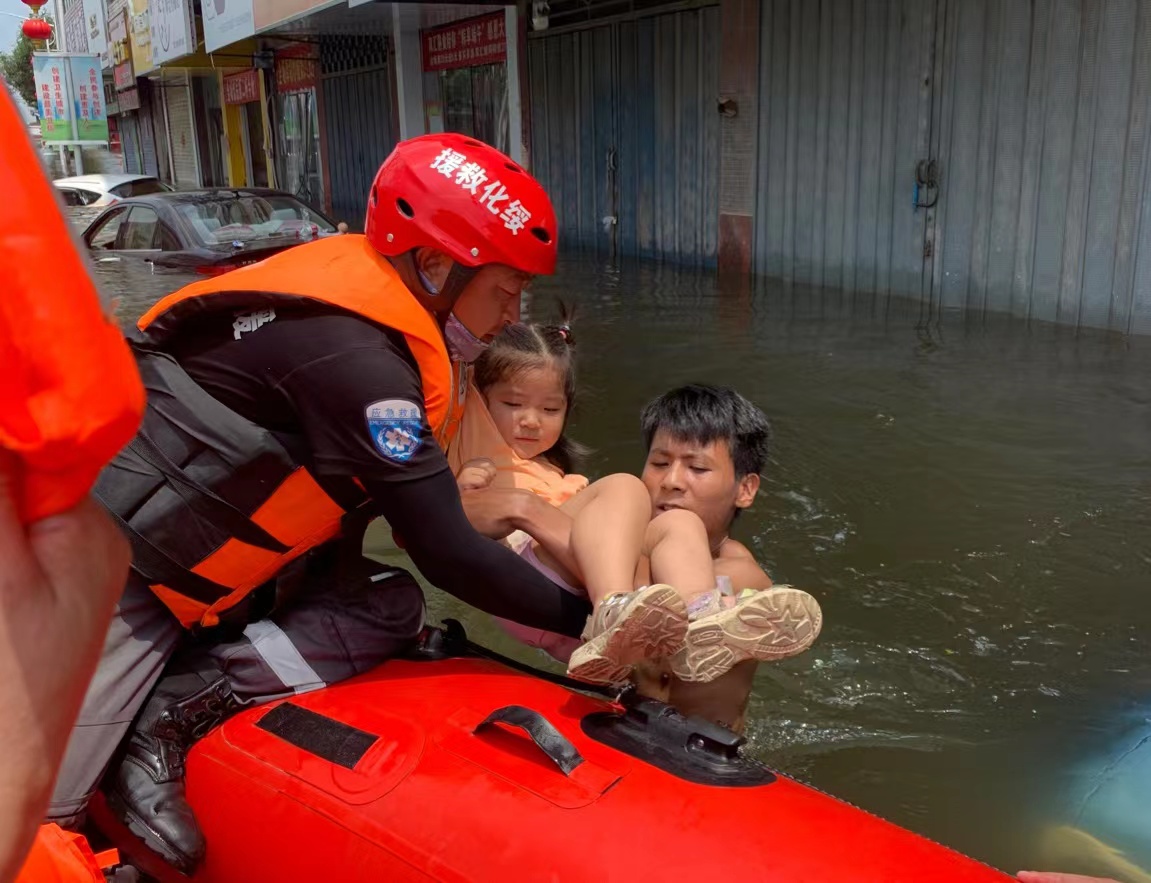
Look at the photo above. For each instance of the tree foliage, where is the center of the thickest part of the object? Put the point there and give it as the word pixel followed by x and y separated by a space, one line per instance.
pixel 16 67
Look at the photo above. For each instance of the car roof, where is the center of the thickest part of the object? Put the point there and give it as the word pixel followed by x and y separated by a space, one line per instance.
pixel 210 193
pixel 206 195
pixel 106 182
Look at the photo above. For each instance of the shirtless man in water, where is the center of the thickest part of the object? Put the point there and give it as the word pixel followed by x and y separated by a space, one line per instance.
pixel 706 447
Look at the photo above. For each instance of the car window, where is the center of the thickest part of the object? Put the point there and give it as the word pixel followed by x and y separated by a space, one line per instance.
pixel 104 235
pixel 168 239
pixel 140 231
pixel 250 218
pixel 71 197
pixel 142 187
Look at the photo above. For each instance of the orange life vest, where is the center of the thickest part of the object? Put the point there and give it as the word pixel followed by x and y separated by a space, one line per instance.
pixel 59 856
pixel 215 505
pixel 69 396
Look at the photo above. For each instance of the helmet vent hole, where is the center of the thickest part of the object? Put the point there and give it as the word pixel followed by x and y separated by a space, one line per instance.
pixel 513 167
pixel 473 144
pixel 405 209
pixel 542 235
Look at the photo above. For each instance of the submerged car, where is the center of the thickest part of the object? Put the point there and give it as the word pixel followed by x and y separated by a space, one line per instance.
pixel 102 190
pixel 206 231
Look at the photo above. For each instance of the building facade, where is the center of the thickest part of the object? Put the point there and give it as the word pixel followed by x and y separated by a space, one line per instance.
pixel 972 154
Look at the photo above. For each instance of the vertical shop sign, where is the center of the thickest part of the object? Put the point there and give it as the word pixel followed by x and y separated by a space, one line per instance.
pixel 140 28
pixel 94 30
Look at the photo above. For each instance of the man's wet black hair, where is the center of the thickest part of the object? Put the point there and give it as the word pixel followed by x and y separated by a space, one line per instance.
pixel 704 414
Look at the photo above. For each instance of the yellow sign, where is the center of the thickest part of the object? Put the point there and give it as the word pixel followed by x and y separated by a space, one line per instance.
pixel 140 27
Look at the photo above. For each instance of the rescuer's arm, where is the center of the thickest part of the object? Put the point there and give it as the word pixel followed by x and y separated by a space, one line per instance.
pixel 59 578
pixel 362 411
pixel 448 551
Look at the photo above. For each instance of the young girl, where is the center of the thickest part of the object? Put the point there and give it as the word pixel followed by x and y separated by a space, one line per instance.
pixel 512 436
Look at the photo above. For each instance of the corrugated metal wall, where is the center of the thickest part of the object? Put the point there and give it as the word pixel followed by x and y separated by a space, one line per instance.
pixel 624 127
pixel 1037 114
pixel 845 104
pixel 1043 146
pixel 357 95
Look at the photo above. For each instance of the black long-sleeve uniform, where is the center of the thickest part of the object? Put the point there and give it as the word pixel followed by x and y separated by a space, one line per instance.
pixel 333 380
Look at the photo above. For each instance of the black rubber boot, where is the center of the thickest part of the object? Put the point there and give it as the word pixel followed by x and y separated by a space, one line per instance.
pixel 146 791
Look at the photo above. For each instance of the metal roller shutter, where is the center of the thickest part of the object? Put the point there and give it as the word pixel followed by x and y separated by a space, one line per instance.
pixel 178 94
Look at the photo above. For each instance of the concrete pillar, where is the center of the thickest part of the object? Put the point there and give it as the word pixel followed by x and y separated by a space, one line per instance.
pixel 739 126
pixel 233 139
pixel 515 95
pixel 409 69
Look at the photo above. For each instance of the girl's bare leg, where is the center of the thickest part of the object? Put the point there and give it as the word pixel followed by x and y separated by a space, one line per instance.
pixel 608 521
pixel 677 546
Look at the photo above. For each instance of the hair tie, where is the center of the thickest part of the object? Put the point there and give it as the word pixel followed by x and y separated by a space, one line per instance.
pixel 565 332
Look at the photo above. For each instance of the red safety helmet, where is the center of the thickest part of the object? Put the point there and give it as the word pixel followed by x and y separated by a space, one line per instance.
pixel 457 194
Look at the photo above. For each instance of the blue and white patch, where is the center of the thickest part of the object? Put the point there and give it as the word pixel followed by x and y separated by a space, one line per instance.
pixel 396 426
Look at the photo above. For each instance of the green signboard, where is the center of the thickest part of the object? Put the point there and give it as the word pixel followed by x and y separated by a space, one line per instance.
pixel 70 98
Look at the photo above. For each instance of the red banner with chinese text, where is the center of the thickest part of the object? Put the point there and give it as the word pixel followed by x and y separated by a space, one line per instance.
pixel 297 69
pixel 242 87
pixel 467 43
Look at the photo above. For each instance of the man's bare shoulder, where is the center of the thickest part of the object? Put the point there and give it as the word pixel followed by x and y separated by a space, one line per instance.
pixel 734 550
pixel 736 561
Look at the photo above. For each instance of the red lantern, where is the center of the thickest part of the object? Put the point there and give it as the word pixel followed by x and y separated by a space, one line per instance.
pixel 35 4
pixel 36 29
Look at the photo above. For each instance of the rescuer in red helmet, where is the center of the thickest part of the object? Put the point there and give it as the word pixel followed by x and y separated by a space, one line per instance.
pixel 289 402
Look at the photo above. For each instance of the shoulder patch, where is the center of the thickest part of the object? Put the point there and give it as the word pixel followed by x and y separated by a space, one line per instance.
pixel 396 428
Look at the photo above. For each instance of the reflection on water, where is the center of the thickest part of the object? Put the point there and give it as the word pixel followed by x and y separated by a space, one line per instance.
pixel 969 499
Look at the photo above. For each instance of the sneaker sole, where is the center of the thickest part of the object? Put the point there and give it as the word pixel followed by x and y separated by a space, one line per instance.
pixel 152 840
pixel 653 626
pixel 780 622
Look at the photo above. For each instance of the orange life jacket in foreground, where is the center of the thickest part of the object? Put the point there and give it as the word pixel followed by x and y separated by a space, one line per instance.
pixel 69 395
pixel 213 504
pixel 59 856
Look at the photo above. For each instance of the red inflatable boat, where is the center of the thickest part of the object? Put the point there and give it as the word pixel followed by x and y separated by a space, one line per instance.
pixel 463 769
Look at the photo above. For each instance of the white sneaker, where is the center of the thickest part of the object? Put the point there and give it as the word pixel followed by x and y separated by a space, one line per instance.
pixel 627 628
pixel 767 625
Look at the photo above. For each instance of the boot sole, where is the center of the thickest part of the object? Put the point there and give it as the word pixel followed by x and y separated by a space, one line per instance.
pixel 778 623
pixel 653 626
pixel 150 838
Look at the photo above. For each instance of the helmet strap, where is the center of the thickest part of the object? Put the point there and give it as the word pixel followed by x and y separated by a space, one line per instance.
pixel 436 300
pixel 458 278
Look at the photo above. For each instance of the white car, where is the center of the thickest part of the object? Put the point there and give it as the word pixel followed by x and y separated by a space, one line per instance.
pixel 100 190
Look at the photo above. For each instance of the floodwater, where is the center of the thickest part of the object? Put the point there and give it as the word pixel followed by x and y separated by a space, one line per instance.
pixel 970 499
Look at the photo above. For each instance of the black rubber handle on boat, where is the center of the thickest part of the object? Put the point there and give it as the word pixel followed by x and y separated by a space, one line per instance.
pixel 550 740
